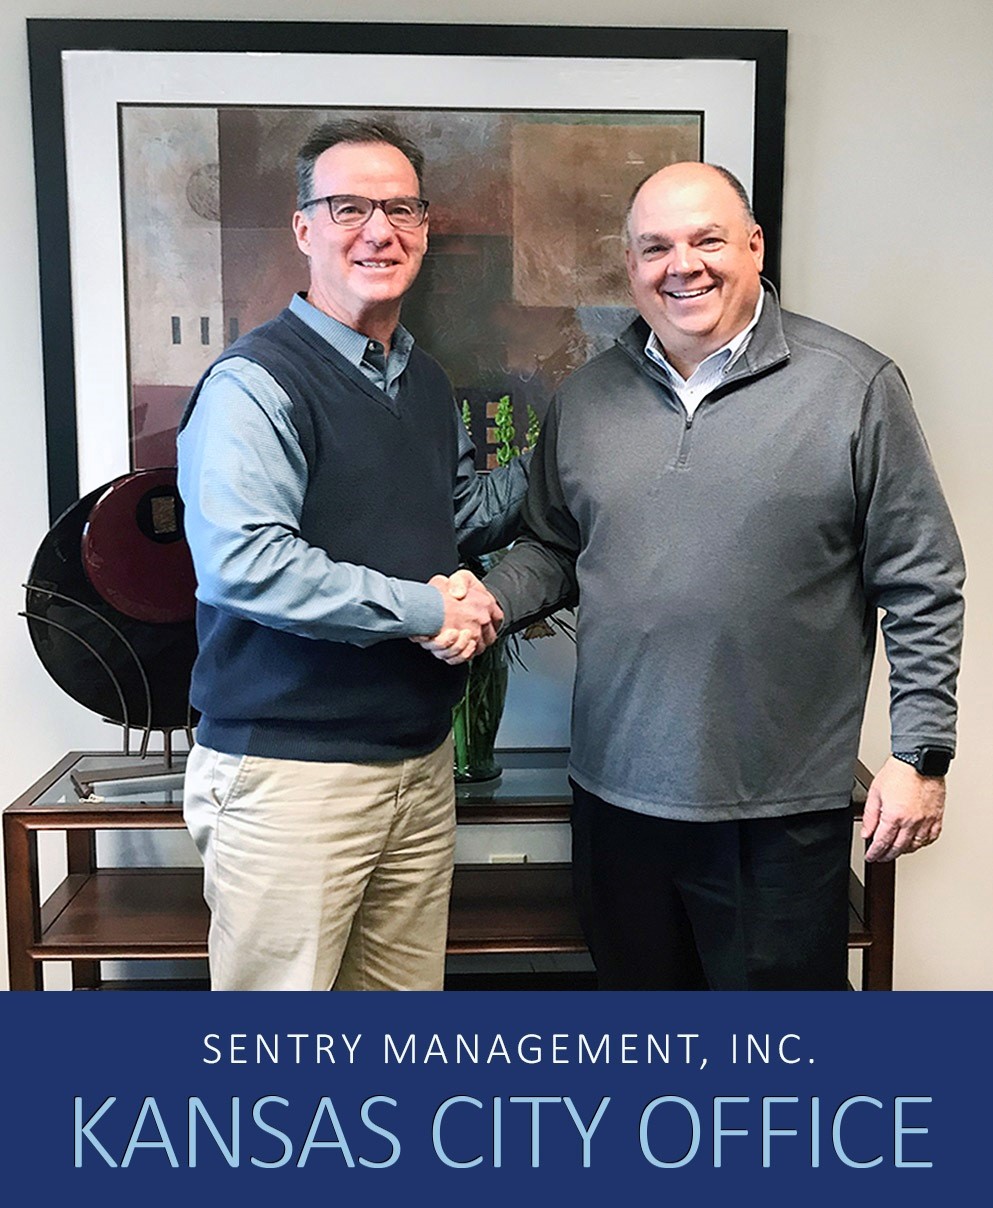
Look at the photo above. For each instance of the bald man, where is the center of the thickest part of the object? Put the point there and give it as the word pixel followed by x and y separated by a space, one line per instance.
pixel 731 493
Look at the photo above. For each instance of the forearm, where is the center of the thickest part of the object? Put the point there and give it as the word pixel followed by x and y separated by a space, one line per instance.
pixel 923 649
pixel 269 576
pixel 532 581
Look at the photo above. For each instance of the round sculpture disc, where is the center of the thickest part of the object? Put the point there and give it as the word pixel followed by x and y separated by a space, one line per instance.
pixel 134 551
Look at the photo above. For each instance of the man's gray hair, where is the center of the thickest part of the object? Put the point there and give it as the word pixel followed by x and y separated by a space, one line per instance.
pixel 350 130
pixel 739 189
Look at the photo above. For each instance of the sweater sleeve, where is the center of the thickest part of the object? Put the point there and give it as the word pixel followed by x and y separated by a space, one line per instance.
pixel 487 506
pixel 538 575
pixel 242 476
pixel 912 564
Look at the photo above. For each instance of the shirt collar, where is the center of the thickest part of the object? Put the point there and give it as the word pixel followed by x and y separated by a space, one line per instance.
pixel 346 340
pixel 723 358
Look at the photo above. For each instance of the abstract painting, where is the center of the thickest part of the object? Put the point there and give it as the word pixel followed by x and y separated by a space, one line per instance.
pixel 523 280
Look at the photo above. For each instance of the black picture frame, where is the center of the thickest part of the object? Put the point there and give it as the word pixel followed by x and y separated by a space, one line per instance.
pixel 50 39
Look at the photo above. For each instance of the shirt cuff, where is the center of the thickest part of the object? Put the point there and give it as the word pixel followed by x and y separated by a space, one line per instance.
pixel 423 609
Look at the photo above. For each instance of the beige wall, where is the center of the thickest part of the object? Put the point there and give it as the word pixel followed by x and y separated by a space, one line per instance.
pixel 886 233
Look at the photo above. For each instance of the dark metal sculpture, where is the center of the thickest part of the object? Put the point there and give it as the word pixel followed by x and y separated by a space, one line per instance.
pixel 110 610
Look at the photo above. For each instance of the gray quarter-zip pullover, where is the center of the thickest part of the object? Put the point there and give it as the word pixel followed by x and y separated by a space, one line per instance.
pixel 729 570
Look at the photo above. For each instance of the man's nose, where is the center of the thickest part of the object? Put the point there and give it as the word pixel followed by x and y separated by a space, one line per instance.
pixel 377 227
pixel 684 260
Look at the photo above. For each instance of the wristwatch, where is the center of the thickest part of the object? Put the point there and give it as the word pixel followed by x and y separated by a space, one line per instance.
pixel 928 761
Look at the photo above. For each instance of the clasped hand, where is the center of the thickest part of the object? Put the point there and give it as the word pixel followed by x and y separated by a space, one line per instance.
pixel 472 618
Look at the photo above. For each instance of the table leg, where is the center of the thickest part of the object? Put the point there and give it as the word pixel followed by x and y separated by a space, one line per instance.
pixel 20 846
pixel 81 857
pixel 880 893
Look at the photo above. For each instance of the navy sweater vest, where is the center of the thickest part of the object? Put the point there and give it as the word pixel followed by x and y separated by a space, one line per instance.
pixel 379 494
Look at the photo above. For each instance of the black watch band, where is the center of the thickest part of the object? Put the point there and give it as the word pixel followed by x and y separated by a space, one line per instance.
pixel 928 761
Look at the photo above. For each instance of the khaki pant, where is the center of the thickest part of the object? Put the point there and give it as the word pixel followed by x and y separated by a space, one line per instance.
pixel 324 876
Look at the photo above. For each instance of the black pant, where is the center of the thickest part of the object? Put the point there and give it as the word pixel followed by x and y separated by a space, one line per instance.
pixel 755 904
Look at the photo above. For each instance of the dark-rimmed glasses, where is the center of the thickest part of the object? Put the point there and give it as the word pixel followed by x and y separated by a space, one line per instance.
pixel 351 210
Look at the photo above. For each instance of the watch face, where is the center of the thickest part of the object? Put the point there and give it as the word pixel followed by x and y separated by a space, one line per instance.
pixel 934 761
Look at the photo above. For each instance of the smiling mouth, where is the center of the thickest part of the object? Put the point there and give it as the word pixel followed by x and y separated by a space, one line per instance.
pixel 687 294
pixel 380 264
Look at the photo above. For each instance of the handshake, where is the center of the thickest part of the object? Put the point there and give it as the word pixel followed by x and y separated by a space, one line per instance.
pixel 472 617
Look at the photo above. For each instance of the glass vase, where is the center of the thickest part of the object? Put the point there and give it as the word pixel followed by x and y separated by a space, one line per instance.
pixel 476 718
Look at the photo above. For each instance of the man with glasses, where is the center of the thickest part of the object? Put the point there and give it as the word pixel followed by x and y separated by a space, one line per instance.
pixel 330 491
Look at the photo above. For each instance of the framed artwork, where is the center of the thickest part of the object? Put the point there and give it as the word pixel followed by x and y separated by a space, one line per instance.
pixel 164 155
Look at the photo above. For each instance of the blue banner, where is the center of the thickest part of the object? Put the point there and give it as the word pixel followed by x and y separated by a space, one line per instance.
pixel 497 1098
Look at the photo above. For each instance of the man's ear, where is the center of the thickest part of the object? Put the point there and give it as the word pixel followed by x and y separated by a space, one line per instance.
pixel 301 231
pixel 756 245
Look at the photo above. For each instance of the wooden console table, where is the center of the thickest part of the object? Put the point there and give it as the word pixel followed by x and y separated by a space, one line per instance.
pixel 98 913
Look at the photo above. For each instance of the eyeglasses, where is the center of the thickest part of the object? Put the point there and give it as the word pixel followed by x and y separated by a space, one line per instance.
pixel 350 210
